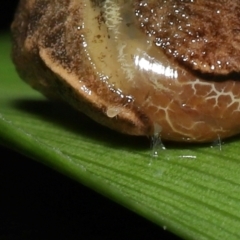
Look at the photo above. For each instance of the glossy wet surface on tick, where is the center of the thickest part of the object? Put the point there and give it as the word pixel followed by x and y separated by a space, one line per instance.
pixel 141 67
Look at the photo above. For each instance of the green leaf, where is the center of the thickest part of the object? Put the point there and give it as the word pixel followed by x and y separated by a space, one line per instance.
pixel 192 190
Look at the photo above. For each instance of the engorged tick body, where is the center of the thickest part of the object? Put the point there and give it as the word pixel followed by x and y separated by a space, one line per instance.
pixel 138 67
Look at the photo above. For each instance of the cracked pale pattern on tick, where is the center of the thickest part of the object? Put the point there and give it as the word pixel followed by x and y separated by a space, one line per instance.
pixel 114 22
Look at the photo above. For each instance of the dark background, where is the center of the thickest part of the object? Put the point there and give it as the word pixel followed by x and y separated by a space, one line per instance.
pixel 6 13
pixel 39 203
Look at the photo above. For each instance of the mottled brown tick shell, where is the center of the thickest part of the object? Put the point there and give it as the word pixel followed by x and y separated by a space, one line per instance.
pixel 139 67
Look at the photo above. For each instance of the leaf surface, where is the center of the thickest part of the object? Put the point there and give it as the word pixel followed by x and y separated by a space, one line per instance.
pixel 192 190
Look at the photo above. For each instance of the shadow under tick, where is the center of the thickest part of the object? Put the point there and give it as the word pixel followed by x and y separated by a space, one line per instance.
pixel 65 117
